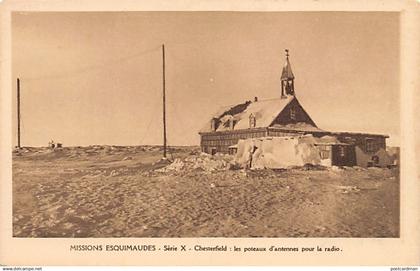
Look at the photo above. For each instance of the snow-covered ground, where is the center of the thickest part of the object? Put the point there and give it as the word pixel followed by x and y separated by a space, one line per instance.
pixel 109 191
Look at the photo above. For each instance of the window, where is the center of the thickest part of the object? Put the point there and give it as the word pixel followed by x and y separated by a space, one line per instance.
pixel 252 121
pixel 342 151
pixel 324 151
pixel 370 145
pixel 324 154
pixel 293 113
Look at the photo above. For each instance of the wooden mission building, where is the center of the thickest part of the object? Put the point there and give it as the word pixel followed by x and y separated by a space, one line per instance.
pixel 283 116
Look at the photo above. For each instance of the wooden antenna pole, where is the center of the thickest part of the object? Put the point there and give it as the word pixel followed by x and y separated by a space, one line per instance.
pixel 164 101
pixel 18 113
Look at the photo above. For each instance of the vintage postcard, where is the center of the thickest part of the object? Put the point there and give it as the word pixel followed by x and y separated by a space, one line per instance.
pixel 250 134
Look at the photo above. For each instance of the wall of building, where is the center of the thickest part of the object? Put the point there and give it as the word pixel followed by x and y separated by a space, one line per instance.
pixel 220 141
pixel 276 133
pixel 343 155
pixel 369 144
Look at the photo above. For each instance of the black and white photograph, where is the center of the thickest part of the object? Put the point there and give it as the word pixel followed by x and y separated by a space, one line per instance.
pixel 206 124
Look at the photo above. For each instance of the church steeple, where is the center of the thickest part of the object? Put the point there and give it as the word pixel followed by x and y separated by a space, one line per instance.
pixel 287 78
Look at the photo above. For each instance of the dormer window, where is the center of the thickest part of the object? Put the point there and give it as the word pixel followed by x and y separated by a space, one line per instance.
pixel 231 123
pixel 252 121
pixel 292 113
pixel 214 124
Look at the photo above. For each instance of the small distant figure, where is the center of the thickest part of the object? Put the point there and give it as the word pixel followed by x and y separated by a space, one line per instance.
pixel 54 145
pixel 251 153
pixel 51 144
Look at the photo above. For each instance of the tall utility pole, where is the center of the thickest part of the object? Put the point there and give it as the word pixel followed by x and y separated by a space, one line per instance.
pixel 164 101
pixel 18 113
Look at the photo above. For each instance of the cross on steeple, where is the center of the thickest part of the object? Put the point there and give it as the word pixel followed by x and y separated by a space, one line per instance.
pixel 287 53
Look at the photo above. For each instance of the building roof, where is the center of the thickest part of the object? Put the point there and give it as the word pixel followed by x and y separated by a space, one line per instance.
pixel 264 111
pixel 287 70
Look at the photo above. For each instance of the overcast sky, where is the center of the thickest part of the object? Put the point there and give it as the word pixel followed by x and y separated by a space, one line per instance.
pixel 95 78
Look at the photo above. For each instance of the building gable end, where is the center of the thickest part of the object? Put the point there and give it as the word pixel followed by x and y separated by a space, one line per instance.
pixel 293 113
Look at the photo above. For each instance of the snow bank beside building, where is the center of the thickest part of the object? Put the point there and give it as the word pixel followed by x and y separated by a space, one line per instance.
pixel 394 154
pixel 277 152
pixel 283 152
pixel 379 159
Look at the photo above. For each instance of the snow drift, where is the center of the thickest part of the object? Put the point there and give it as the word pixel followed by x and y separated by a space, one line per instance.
pixel 383 159
pixel 204 162
pixel 277 152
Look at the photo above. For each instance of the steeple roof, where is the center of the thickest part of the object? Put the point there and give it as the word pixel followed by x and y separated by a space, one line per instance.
pixel 287 69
